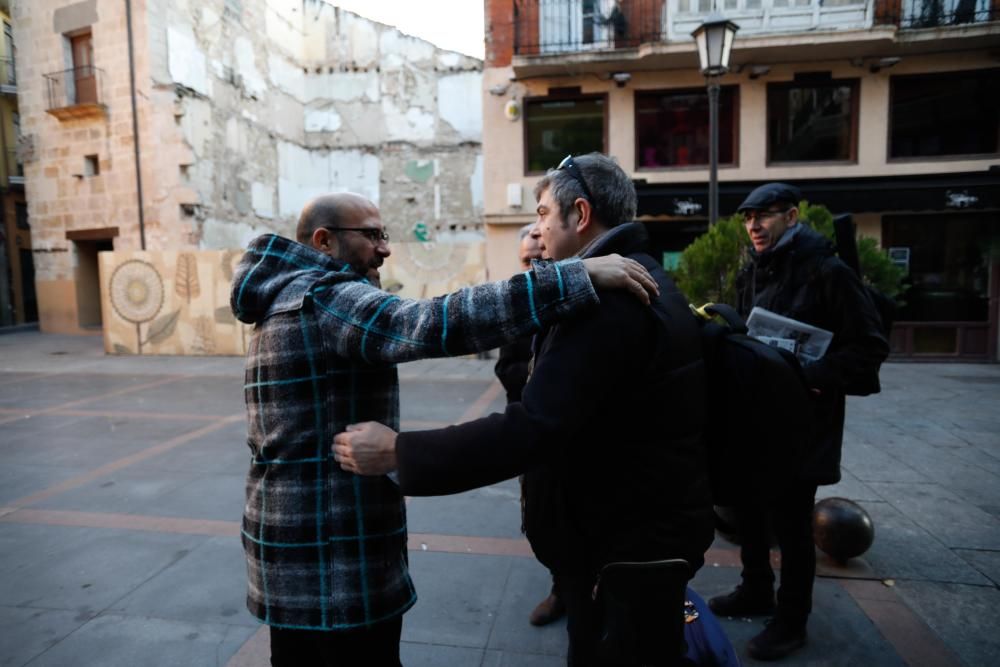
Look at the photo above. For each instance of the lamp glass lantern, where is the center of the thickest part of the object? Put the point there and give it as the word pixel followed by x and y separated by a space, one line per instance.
pixel 715 38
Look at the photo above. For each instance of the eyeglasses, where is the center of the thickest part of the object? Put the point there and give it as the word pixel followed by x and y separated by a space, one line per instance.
pixel 751 215
pixel 570 167
pixel 372 234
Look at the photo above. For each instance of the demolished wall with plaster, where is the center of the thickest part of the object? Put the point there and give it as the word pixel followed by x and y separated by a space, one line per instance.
pixel 277 101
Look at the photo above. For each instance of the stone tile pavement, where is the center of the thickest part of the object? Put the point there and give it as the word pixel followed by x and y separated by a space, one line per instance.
pixel 121 492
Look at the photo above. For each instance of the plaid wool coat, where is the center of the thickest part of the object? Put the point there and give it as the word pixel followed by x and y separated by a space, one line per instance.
pixel 326 549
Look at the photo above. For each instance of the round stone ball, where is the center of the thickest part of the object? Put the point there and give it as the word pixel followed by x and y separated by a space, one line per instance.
pixel 842 529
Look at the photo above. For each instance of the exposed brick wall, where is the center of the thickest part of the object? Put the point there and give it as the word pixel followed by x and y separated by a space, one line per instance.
pixel 499 32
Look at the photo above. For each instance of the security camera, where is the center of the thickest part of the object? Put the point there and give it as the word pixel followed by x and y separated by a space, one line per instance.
pixel 621 78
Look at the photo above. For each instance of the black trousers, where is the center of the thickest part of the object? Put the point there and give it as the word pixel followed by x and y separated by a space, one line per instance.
pixel 376 646
pixel 789 518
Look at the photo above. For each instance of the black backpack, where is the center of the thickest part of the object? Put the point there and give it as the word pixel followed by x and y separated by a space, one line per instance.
pixel 760 410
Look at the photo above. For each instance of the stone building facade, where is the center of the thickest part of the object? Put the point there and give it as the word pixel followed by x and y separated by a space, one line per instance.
pixel 244 109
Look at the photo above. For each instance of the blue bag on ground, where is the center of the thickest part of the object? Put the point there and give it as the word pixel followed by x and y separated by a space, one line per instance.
pixel 707 643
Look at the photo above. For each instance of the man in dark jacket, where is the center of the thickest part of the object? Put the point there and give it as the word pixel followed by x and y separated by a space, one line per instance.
pixel 793 272
pixel 608 429
pixel 326 550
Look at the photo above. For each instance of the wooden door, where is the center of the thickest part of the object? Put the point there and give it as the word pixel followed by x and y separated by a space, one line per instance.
pixel 84 76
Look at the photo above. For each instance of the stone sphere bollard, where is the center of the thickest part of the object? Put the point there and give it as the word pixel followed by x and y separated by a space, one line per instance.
pixel 842 529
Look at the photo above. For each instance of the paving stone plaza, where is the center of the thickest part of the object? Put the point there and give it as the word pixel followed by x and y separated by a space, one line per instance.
pixel 122 490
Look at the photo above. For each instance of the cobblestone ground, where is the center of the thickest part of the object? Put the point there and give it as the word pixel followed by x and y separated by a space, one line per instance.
pixel 122 485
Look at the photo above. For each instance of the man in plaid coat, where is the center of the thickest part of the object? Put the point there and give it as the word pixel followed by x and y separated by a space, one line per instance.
pixel 326 549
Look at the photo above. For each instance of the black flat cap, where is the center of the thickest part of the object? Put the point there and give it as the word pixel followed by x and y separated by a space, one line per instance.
pixel 769 194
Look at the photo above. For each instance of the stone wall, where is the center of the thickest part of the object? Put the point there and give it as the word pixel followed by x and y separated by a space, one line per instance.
pixel 284 100
pixel 246 109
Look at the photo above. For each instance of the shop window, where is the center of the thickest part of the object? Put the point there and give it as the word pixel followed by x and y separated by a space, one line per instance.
pixel 955 113
pixel 672 128
pixel 557 127
pixel 812 122
pixel 948 257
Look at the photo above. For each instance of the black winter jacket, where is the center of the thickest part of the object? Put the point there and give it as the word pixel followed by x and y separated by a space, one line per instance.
pixel 803 279
pixel 608 430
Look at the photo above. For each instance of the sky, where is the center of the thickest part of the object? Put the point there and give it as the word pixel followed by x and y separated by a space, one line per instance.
pixel 456 25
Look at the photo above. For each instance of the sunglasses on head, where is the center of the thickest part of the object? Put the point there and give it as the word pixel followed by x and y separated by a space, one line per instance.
pixel 570 168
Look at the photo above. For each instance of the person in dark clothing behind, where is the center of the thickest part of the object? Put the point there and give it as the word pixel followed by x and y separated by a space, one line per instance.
pixel 793 272
pixel 609 428
pixel 512 371
pixel 512 366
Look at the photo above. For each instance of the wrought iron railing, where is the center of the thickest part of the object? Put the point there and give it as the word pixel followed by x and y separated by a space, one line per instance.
pixel 75 87
pixel 940 13
pixel 8 75
pixel 561 26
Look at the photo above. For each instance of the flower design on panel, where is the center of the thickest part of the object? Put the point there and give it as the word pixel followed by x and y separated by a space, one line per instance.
pixel 136 290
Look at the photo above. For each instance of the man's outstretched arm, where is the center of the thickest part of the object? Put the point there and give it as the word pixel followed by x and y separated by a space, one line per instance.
pixel 569 384
pixel 359 321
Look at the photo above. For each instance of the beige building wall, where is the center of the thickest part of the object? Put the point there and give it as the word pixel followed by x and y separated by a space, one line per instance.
pixel 503 140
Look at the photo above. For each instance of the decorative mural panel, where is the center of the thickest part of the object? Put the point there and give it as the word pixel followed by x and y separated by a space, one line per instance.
pixel 177 303
pixel 170 303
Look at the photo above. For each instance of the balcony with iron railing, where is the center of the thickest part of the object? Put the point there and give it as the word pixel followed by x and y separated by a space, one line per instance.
pixel 13 169
pixel 562 26
pixel 75 93
pixel 8 76
pixel 608 30
pixel 943 13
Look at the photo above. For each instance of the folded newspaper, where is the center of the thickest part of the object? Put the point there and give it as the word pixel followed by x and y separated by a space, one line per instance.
pixel 805 341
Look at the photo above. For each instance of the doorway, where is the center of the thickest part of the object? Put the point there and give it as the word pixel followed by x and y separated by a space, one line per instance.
pixel 88 285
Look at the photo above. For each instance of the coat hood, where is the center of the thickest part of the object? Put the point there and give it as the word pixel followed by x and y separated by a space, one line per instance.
pixel 275 275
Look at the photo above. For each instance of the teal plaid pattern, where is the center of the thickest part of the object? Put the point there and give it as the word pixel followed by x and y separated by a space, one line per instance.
pixel 326 549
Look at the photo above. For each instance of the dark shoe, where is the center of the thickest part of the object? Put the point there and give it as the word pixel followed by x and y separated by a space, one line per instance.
pixel 777 640
pixel 547 610
pixel 742 602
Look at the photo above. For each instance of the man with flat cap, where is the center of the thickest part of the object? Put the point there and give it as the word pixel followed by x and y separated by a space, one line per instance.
pixel 794 272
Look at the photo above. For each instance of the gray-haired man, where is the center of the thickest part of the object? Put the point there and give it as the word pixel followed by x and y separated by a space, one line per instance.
pixel 608 429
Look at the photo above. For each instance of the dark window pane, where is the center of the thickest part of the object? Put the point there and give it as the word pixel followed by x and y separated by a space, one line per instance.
pixel 953 114
pixel 949 268
pixel 672 128
pixel 810 123
pixel 557 128
pixel 21 215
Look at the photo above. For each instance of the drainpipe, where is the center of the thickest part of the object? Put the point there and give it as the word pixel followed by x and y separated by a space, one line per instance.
pixel 135 125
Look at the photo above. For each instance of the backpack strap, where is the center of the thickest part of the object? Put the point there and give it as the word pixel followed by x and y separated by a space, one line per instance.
pixel 726 312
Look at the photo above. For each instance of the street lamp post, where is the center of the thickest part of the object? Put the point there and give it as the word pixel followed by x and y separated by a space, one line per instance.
pixel 714 39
